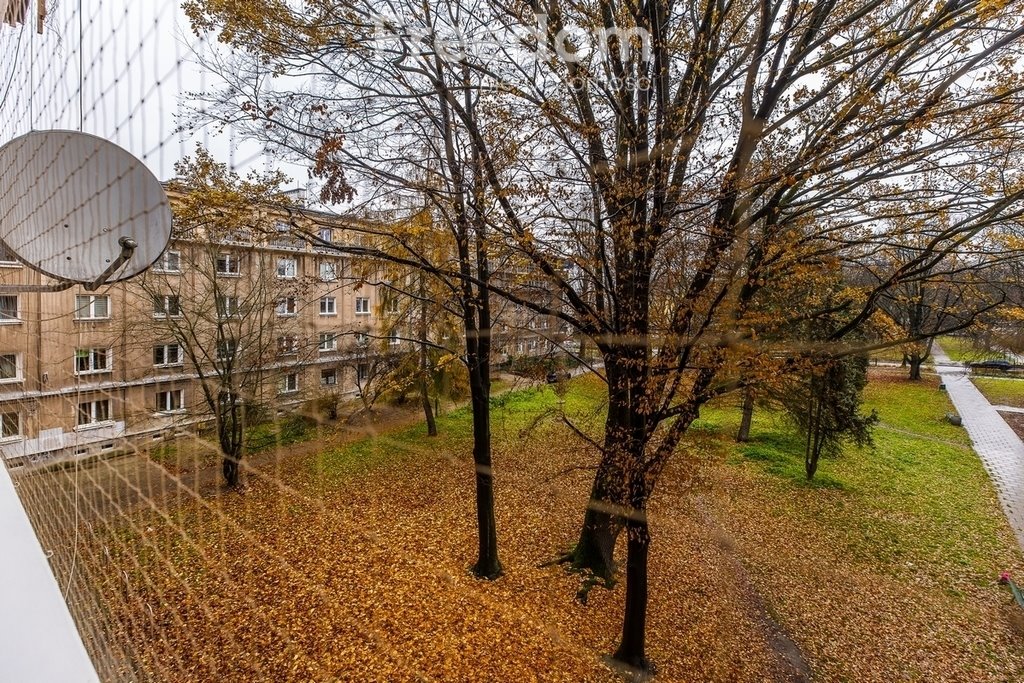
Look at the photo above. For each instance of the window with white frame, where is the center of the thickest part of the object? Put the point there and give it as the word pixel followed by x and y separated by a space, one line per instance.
pixel 328 271
pixel 328 305
pixel 170 401
pixel 10 367
pixel 226 349
pixel 282 226
pixel 228 264
pixel 325 234
pixel 9 308
pixel 10 425
pixel 289 383
pixel 93 412
pixel 7 257
pixel 328 341
pixel 165 355
pixel 287 267
pixel 362 305
pixel 362 371
pixel 329 377
pixel 227 306
pixel 393 303
pixel 393 338
pixel 286 306
pixel 287 345
pixel 166 306
pixel 90 307
pixel 88 361
pixel 169 262
pixel 362 339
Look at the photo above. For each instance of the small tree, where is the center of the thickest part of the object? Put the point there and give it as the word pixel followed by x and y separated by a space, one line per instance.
pixel 219 304
pixel 826 406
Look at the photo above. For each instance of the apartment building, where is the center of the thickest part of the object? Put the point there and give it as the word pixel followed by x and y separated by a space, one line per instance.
pixel 82 371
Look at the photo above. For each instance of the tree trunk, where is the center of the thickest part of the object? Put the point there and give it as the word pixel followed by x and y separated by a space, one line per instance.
pixel 428 412
pixel 230 470
pixel 487 566
pixel 602 523
pixel 743 435
pixel 631 651
pixel 916 361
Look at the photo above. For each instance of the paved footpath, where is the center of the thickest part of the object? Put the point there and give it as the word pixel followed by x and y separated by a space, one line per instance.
pixel 998 446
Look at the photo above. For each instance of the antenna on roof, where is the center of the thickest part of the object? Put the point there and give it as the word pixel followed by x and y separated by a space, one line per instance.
pixel 79 209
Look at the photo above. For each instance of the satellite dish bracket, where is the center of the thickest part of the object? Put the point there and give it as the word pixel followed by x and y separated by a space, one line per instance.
pixel 128 246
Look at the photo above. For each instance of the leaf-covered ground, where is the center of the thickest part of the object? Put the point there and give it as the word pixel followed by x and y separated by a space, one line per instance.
pixel 349 562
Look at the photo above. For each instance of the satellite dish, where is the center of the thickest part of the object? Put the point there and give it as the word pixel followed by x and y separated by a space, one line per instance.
pixel 79 208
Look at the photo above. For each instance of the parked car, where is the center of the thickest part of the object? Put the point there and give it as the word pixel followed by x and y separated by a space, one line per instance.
pixel 554 377
pixel 1003 365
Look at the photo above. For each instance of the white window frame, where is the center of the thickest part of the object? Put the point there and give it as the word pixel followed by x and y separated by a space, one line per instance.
pixel 165 300
pixel 19 370
pixel 287 307
pixel 287 267
pixel 229 261
pixel 229 347
pixel 4 319
pixel 93 412
pixel 393 338
pixel 325 234
pixel 90 307
pixel 287 345
pixel 393 305
pixel 10 261
pixel 328 271
pixel 164 347
pixel 328 305
pixel 362 371
pixel 225 309
pixel 4 436
pixel 165 407
pixel 331 373
pixel 161 266
pixel 289 384
pixel 328 342
pixel 92 369
pixel 362 305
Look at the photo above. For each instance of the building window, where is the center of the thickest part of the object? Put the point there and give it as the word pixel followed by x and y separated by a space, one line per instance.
pixel 289 383
pixel 89 307
pixel 287 345
pixel 362 371
pixel 286 267
pixel 362 305
pixel 324 234
pixel 393 304
pixel 88 361
pixel 7 258
pixel 281 226
pixel 93 412
pixel 169 262
pixel 227 306
pixel 329 378
pixel 327 305
pixel 170 401
pixel 362 339
pixel 166 354
pixel 166 306
pixel 9 309
pixel 226 350
pixel 10 425
pixel 10 367
pixel 393 339
pixel 328 341
pixel 328 271
pixel 286 306
pixel 228 264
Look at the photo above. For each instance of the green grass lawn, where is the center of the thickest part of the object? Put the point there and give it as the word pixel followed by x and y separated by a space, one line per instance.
pixel 963 349
pixel 1002 391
